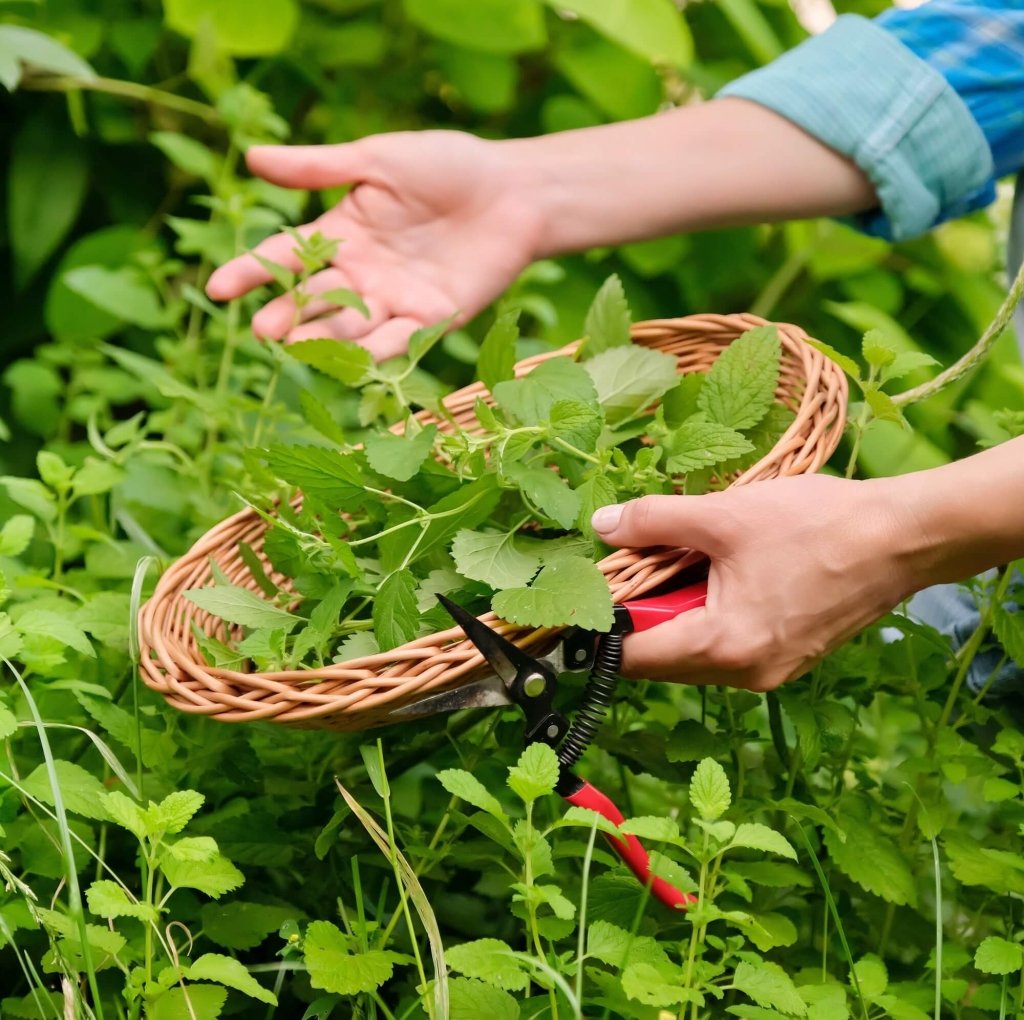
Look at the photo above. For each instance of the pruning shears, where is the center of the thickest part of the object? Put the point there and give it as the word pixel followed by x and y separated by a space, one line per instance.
pixel 531 682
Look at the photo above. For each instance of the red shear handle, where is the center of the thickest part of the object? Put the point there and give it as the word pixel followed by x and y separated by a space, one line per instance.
pixel 647 613
pixel 629 848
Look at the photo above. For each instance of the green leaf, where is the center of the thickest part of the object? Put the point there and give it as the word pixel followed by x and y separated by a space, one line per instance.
pixel 883 407
pixel 235 27
pixel 875 351
pixel 529 400
pixel 226 970
pixel 395 616
pixel 594 492
pixel 872 977
pixel 608 320
pixel 998 956
pixel 645 983
pixel 497 359
pixel 108 899
pixel 96 477
pixel 124 293
pixel 80 790
pixel 577 423
pixel 26 47
pixel 653 827
pixel 681 402
pixel 544 602
pixel 188 154
pixel 699 444
pixel 8 722
pixel 320 418
pixel 342 360
pixel 709 790
pixel 239 925
pixel 241 606
pixel 399 457
pixel 501 559
pixel 904 363
pixel 214 877
pixel 755 836
pixel 467 787
pixel 535 774
pixel 471 999
pixel 32 495
pixel 740 387
pixel 546 490
pixel 124 812
pixel 769 985
pixel 493 26
pixel 872 860
pixel 333 968
pixel 47 178
pixel 846 363
pixel 630 379
pixel 325 474
pixel 173 813
pixel 488 960
pixel 653 29
pixel 16 534
pixel 423 340
pixel 192 848
pixel 342 297
pixel 204 1002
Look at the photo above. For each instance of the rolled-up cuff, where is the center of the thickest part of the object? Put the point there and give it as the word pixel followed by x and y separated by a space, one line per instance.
pixel 863 93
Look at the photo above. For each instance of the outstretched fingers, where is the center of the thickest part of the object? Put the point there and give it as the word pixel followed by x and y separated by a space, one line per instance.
pixel 311 166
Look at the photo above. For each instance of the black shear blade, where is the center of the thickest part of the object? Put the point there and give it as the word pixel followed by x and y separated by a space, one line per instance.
pixel 502 656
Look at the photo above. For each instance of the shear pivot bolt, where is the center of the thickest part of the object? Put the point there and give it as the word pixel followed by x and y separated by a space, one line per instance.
pixel 552 731
pixel 534 685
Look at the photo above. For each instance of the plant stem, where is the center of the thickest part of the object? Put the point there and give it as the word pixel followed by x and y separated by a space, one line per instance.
pixel 126 90
pixel 975 355
pixel 581 933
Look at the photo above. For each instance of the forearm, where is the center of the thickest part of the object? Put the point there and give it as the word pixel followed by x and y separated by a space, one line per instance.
pixel 722 163
pixel 966 517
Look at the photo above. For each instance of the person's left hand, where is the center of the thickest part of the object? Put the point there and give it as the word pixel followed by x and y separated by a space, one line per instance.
pixel 798 566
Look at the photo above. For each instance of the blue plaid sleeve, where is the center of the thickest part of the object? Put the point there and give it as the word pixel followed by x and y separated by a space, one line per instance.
pixel 929 102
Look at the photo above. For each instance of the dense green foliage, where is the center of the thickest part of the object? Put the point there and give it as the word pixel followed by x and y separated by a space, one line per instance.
pixel 854 838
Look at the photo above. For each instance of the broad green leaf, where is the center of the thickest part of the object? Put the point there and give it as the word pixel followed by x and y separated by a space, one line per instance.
pixel 330 476
pixel 904 363
pixel 577 423
pixel 395 616
pixel 530 399
pixel 770 931
pixel 492 26
pixel 16 534
pixel 900 1009
pixel 239 925
pixel 883 407
pixel 740 387
pixel 342 297
pixel 594 492
pixel 630 379
pixel 236 27
pixel 241 606
pixel 699 444
pixel 228 971
pixel 192 848
pixel 107 899
pixel 876 351
pixel 320 418
pixel 709 790
pixel 488 960
pixel 32 495
pixel 872 977
pixel 342 360
pixel 546 491
pixel 188 154
pixel 497 359
pixel 467 787
pixel 645 983
pixel 872 860
pixel 204 1002
pixel 475 1000
pixel 80 790
pixel 47 179
pixel 770 986
pixel 846 363
pixel 214 877
pixel 334 968
pixel 174 812
pixel 755 836
pixel 399 457
pixel 681 402
pixel 535 774
pixel 652 827
pixel 653 29
pixel 544 602
pixel 22 47
pixel 998 956
pixel 124 293
pixel 125 812
pixel 608 320
pixel 96 477
pixel 423 340
pixel 502 559
pixel 8 722
pixel 323 621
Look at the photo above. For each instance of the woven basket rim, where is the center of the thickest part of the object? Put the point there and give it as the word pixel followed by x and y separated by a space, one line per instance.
pixel 360 692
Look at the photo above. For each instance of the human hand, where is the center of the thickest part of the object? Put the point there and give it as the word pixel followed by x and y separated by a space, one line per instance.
pixel 798 566
pixel 436 225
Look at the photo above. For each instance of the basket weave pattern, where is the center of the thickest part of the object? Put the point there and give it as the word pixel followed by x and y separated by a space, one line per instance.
pixel 359 693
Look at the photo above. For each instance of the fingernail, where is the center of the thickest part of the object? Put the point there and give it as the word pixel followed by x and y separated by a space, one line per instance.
pixel 607 518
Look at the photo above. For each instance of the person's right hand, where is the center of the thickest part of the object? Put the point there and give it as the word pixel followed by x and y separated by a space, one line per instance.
pixel 435 226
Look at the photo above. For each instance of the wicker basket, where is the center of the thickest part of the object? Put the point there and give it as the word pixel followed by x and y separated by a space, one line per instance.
pixel 360 693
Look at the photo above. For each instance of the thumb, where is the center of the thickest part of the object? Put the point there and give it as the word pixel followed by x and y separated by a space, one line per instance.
pixel 692 522
pixel 309 166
